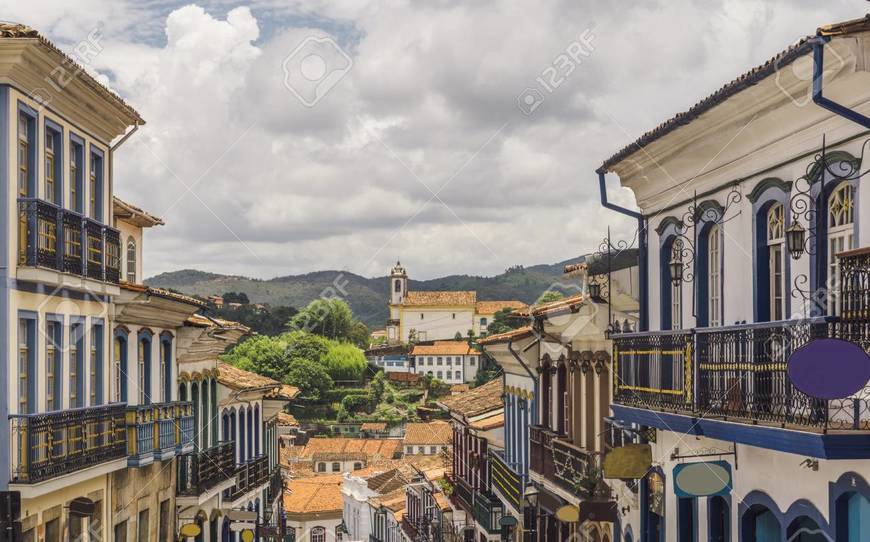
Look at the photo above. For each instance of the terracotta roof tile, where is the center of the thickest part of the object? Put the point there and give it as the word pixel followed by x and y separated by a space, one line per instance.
pixel 519 333
pixel 560 305
pixel 285 391
pixel 476 401
pixel 285 419
pixel 127 211
pixel 490 422
pixel 444 348
pixel 315 494
pixel 440 298
pixel 239 379
pixel 198 320
pixel 372 448
pixel 373 426
pixel 160 292
pixel 492 307
pixel 432 433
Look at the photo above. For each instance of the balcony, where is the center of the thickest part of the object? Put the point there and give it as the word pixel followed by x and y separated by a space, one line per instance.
pixel 487 512
pixel 463 494
pixel 508 481
pixel 52 444
pixel 57 239
pixel 250 475
pixel 200 472
pixel 156 431
pixel 566 466
pixel 276 485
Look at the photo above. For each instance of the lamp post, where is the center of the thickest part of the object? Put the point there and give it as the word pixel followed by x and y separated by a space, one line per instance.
pixel 795 237
pixel 676 267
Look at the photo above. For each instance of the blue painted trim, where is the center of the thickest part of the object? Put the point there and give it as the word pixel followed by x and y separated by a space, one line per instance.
pixel 77 334
pixel 32 128
pixel 667 223
pixel 122 336
pixel 847 484
pixel 726 499
pixel 77 153
pixel 97 153
pixel 818 97
pixel 143 341
pixel 59 160
pixel 760 260
pixel 644 507
pixel 98 335
pixel 694 518
pixel 764 184
pixel 825 446
pixel 5 191
pixel 48 290
pixel 797 509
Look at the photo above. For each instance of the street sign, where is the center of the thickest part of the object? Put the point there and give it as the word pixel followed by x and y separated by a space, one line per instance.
pixel 706 479
pixel 597 511
pixel 238 526
pixel 247 536
pixel 241 515
pixel 568 514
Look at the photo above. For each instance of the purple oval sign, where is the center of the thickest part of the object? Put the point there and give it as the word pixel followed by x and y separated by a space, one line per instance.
pixel 829 368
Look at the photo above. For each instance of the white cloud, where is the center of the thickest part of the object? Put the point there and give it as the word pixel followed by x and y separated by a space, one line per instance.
pixel 280 188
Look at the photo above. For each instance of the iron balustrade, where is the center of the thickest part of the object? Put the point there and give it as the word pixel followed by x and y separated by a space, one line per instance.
pixel 200 471
pixel 463 494
pixel 653 369
pixel 541 451
pixel 157 427
pixel 249 476
pixel 276 484
pixel 50 444
pixel 140 430
pixel 52 237
pixel 739 373
pixel 184 429
pixel 507 479
pixel 487 512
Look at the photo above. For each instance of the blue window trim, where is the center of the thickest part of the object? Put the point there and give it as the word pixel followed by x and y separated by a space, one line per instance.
pixel 798 508
pixel 98 335
pixel 77 152
pixel 767 193
pixel 123 336
pixel 644 504
pixel 667 232
pixel 681 517
pixel 819 256
pixel 710 214
pixel 33 128
pixel 848 483
pixel 57 134
pixel 98 153
pixel 166 339
pixel 143 340
pixel 58 363
pixel 77 334
pixel 32 327
pixel 256 430
pixel 727 500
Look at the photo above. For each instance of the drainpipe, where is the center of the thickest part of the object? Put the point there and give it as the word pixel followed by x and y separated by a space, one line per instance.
pixel 643 288
pixel 818 71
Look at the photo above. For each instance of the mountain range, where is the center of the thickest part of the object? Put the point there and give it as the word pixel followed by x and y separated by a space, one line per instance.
pixel 367 297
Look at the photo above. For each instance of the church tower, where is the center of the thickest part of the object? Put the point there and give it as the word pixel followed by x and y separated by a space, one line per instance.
pixel 398 284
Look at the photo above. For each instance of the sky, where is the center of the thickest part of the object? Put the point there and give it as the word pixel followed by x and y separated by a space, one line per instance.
pixel 460 136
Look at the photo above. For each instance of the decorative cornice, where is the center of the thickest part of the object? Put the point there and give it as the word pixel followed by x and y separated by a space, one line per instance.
pixel 763 185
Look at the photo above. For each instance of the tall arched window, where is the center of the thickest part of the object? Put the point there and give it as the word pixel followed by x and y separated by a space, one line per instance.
pixel 318 534
pixel 714 276
pixel 840 233
pixel 131 259
pixel 144 356
pixel 119 368
pixel 776 260
pixel 676 286
pixel 397 285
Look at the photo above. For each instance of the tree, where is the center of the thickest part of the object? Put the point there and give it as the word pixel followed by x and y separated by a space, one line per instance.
pixel 359 334
pixel 310 377
pixel 260 354
pixel 377 387
pixel 502 322
pixel 331 318
pixel 344 361
pixel 305 345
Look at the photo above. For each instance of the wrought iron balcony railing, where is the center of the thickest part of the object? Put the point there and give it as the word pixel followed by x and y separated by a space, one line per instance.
pixel 249 476
pixel 566 465
pixel 738 373
pixel 157 430
pixel 509 481
pixel 51 444
pixel 201 471
pixel 52 237
pixel 488 511
pixel 184 430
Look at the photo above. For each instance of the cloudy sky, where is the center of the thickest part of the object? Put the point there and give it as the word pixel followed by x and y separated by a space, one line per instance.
pixel 286 136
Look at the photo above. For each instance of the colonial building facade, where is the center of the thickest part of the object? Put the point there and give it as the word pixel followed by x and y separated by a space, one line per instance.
pixel 752 217
pixel 430 316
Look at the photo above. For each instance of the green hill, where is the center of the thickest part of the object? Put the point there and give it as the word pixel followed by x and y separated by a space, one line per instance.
pixel 367 297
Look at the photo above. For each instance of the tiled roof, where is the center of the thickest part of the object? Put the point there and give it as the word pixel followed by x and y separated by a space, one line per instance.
pixel 285 391
pixel 459 388
pixel 373 426
pixel 160 292
pixel 372 448
pixel 444 348
pixel 314 494
pixel 20 31
pixel 198 320
pixel 239 379
pixel 128 211
pixel 560 305
pixel 519 333
pixel 490 422
pixel 476 401
pixel 393 501
pixel 574 267
pixel 492 307
pixel 432 433
pixel 748 79
pixel 285 419
pixel 440 298
pixel 443 503
pixel 339 456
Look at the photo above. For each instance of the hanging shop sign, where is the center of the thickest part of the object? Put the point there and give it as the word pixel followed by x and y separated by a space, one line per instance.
pixel 568 514
pixel 597 511
pixel 705 479
pixel 189 530
pixel 829 368
pixel 631 461
pixel 247 535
